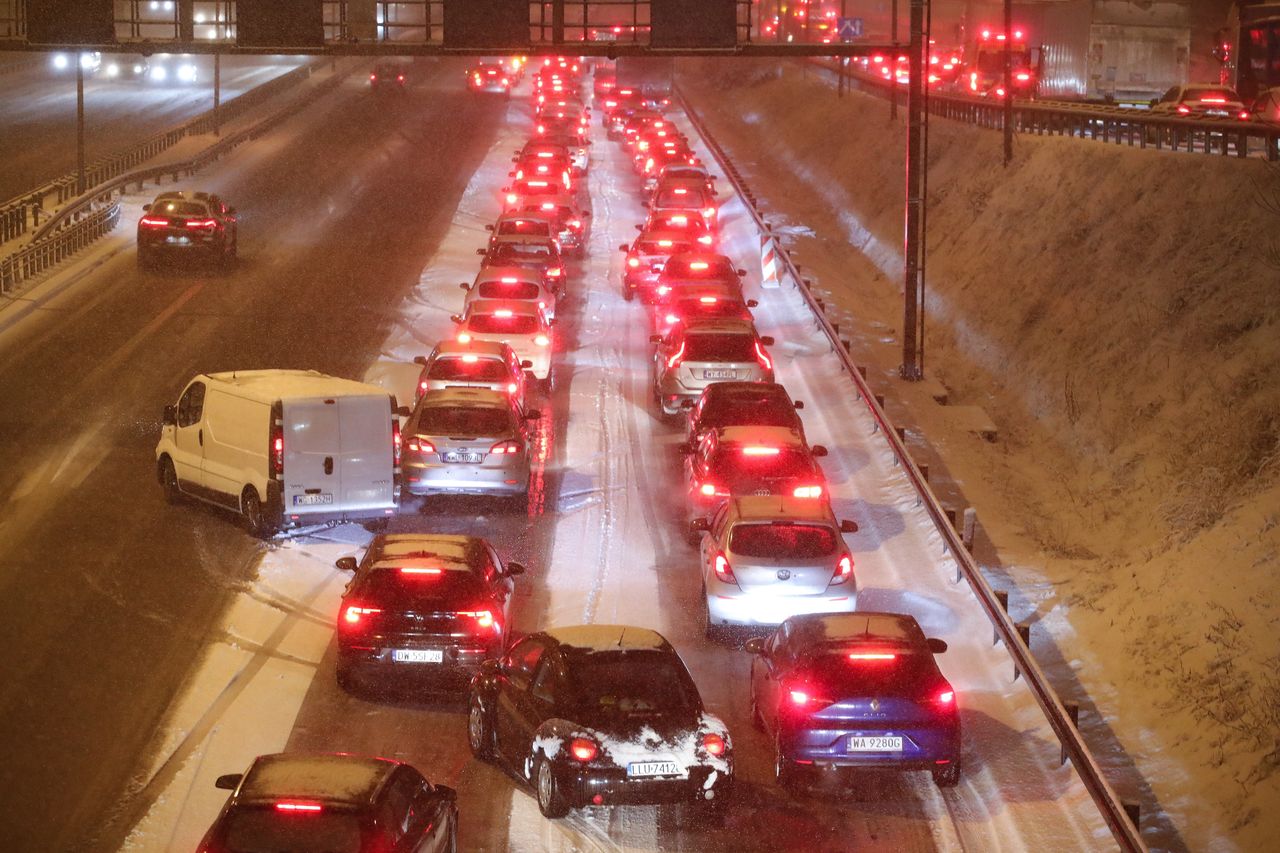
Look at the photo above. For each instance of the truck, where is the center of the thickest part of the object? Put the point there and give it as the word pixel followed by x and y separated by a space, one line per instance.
pixel 651 75
pixel 1249 48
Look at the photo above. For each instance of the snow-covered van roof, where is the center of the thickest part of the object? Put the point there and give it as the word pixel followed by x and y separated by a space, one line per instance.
pixel 604 638
pixel 271 385
pixel 346 779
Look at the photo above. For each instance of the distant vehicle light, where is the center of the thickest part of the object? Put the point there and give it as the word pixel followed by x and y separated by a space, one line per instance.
pixel 542 340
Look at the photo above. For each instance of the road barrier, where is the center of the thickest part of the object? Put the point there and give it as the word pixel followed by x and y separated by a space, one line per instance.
pixel 1119 816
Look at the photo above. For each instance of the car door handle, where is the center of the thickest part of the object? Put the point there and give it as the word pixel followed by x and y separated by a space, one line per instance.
pixel 328 465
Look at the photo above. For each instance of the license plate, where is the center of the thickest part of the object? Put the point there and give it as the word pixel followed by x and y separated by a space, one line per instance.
pixel 182 241
pixel 463 458
pixel 653 768
pixel 417 656
pixel 312 500
pixel 875 744
pixel 718 374
pixel 1215 112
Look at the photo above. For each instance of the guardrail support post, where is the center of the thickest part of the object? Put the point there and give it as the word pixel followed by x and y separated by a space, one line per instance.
pixel 969 527
pixel 80 187
pixel 1073 713
pixel 1134 812
pixel 1002 598
pixel 1024 631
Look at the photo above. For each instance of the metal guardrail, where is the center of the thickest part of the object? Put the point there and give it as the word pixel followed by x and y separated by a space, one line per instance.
pixel 1117 125
pixel 20 214
pixel 1073 746
pixel 95 213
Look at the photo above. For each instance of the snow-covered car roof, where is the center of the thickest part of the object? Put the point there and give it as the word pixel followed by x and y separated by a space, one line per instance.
pixel 605 638
pixel 829 628
pixel 331 778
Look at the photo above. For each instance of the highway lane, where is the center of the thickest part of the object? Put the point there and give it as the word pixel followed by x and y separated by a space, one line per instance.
pixel 38 112
pixel 107 594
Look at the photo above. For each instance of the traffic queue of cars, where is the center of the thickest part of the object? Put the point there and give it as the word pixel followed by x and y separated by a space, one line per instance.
pixel 592 714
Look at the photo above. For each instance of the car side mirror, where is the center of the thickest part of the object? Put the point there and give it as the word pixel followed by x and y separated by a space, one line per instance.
pixel 753 303
pixel 489 227
pixel 170 416
pixel 624 248
pixel 937 646
pixel 740 273
pixel 456 318
pixel 481 251
pixel 699 525
pixel 818 451
pixel 346 564
pixel 420 359
pixel 403 411
pixel 526 364
pixel 767 340
pixel 639 227
pixel 799 404
pixel 447 794
pixel 515 569
pixel 146 207
pixel 228 782
pixel 655 339
pixel 754 646
pixel 533 415
pixel 464 285
pixel 847 526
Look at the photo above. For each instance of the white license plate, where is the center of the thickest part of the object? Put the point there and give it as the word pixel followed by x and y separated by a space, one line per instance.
pixel 1216 112
pixel 875 744
pixel 417 656
pixel 653 768
pixel 312 500
pixel 464 458
pixel 718 374
pixel 182 241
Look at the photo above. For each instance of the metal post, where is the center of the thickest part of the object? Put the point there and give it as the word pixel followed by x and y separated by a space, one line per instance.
pixel 80 187
pixel 1008 81
pixel 893 68
pixel 911 344
pixel 217 94
pixel 842 61
pixel 557 22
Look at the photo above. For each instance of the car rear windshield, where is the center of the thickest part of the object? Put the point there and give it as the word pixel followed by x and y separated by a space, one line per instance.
pixel 838 676
pixel 783 541
pixel 523 252
pixel 492 324
pixel 716 267
pixel 263 829
pixel 654 247
pixel 457 370
pixel 392 586
pixel 1212 96
pixel 505 290
pixel 536 227
pixel 737 467
pixel 719 347
pixel 720 308
pixel 680 197
pixel 749 409
pixel 464 421
pixel 180 208
pixel 632 682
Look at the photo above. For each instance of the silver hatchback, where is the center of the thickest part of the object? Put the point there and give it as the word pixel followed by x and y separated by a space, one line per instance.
pixel 690 358
pixel 765 559
pixel 467 441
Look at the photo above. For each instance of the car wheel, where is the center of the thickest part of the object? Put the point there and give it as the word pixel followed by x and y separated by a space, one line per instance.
pixel 948 775
pixel 346 680
pixel 628 294
pixel 551 800
pixel 255 516
pixel 547 384
pixel 169 481
pixel 479 731
pixel 757 719
pixel 783 770
pixel 714 633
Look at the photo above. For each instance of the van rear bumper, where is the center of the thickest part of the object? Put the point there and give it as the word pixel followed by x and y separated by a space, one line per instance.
pixel 290 519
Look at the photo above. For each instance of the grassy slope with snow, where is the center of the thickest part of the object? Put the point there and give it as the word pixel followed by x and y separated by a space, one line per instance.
pixel 1120 325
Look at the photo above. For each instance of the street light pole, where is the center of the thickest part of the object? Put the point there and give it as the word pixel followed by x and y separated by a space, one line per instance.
pixel 913 287
pixel 1008 81
pixel 217 93
pixel 80 183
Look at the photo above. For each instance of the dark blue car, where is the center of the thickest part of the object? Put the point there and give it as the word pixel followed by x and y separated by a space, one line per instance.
pixel 855 690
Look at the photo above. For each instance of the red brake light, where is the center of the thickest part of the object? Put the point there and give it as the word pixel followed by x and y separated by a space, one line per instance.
pixel 633 262
pixel 763 357
pixel 421 570
pixel 713 744
pixel 277 449
pixel 1023 76
pixel 807 492
pixel 671 318
pixel 395 442
pixel 298 807
pixel 709 212
pixel 484 619
pixel 859 656
pixel 555 272
pixel 583 749
pixel 759 450
pixel 676 356
pixel 799 698
pixel 1183 109
pixel 419 444
pixel 947 698
pixel 708 300
pixel 154 222
pixel 705 239
pixel 1244 115
pixel 464 338
pixel 723 570
pixel 506 447
pixel 1214 100
pixel 354 613
pixel 202 223
pixel 699 266
pixel 844 571
pixel 680 191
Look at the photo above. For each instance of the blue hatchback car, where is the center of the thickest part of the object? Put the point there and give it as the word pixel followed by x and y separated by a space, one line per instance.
pixel 854 690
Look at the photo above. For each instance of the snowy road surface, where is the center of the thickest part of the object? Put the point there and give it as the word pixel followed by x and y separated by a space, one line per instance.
pixel 354 271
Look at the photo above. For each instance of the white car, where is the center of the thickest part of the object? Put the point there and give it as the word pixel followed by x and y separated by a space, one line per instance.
pixel 519 284
pixel 523 325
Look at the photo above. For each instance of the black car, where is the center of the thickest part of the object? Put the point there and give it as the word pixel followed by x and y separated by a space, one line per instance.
pixel 387 77
pixel 601 715
pixel 431 605
pixel 182 224
pixel 334 803
pixel 841 690
pixel 729 404
pixel 541 255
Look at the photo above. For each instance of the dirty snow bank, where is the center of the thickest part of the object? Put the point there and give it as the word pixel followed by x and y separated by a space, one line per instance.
pixel 1113 311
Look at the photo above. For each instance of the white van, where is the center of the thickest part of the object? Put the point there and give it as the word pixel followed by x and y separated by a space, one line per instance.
pixel 283 447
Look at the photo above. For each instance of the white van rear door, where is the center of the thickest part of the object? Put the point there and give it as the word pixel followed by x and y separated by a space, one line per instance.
pixel 312 442
pixel 367 458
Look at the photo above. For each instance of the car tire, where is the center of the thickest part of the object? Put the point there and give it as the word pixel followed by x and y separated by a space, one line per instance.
pixel 757 719
pixel 628 294
pixel 784 771
pixel 346 679
pixel 479 731
pixel 551 801
pixel 255 514
pixel 714 633
pixel 169 481
pixel 947 776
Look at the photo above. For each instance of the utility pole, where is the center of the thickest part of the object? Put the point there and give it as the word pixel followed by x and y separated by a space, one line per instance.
pixel 913 286
pixel 843 61
pixel 217 93
pixel 80 187
pixel 1008 81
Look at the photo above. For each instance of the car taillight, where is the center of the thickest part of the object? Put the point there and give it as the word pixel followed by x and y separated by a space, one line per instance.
pixel 555 272
pixel 419 444
pixel 203 224
pixel 464 338
pixel 512 198
pixel 395 442
pixel 485 620
pixel 807 492
pixel 400 78
pixel 671 319
pixel 713 743
pixel 154 222
pixel 355 614
pixel 709 212
pixel 705 239
pixel 575 224
pixel 1023 76
pixel 664 289
pixel 862 657
pixel 298 807
pixel 277 449
pixel 675 357
pixel 542 341
pixel 512 387
pixel 1183 109
pixel 723 570
pixel 760 450
pixel 633 262
pixel 844 570
pixel 763 357
pixel 506 447
pixel 583 749
pixel 946 699
pixel 1244 115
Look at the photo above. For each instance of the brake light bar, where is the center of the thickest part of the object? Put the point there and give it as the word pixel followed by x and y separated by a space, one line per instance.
pixel 699 266
pixel 202 223
pixel 504 447
pixel 470 359
pixel 708 300
pixel 502 312
pixel 418 570
pixel 298 807
pixel 1213 100
pixel 759 450
pixel 154 222
pixel 872 656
